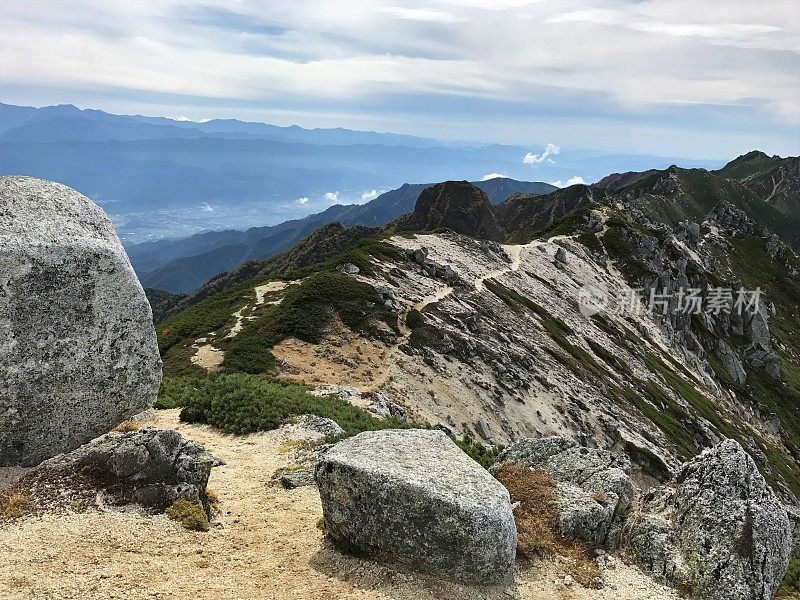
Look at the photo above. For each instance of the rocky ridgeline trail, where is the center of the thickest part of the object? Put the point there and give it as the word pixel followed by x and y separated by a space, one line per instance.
pixel 489 360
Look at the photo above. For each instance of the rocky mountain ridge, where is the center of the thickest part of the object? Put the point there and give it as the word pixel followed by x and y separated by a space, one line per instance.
pixel 504 336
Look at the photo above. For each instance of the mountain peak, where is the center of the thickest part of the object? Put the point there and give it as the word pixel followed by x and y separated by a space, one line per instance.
pixel 456 205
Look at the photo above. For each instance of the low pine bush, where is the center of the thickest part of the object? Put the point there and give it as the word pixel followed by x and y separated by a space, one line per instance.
pixel 241 403
pixel 790 588
pixel 414 319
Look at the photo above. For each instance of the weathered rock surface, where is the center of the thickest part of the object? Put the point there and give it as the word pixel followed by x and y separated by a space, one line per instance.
pixel 323 425
pixel 412 497
pixel 152 467
pixel 593 486
pixel 78 352
pixel 721 531
pixel 302 477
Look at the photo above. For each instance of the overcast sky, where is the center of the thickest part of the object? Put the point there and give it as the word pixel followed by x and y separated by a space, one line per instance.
pixel 707 79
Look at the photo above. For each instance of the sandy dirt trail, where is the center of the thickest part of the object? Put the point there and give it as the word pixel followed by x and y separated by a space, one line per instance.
pixel 265 544
pixel 514 252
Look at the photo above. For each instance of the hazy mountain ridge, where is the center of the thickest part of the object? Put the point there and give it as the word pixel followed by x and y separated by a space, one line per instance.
pixel 175 177
pixel 185 265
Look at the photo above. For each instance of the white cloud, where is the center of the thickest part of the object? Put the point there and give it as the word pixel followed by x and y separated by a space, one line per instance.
pixel 302 201
pixel 371 195
pixel 617 61
pixel 332 196
pixel 420 14
pixel 571 181
pixel 206 207
pixel 537 159
pixel 489 176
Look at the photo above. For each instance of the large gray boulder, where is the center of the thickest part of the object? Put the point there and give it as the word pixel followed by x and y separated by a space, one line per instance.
pixel 720 532
pixel 78 352
pixel 413 498
pixel 593 486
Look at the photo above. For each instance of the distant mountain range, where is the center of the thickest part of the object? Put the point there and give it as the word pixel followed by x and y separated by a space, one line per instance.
pixel 160 177
pixel 186 264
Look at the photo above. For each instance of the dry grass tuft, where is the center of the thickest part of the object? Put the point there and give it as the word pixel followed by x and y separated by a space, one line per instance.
pixel 190 515
pixel 213 497
pixel 127 426
pixel 537 520
pixel 536 516
pixel 14 504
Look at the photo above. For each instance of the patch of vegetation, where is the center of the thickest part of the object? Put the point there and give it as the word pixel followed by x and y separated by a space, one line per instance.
pixel 428 336
pixel 483 455
pixel 579 361
pixel 242 403
pixel 208 315
pixel 790 588
pixel 127 427
pixel 178 360
pixel 657 406
pixel 414 319
pixel 621 336
pixel 213 497
pixel 620 250
pixel 13 504
pixel 249 352
pixel 536 516
pixel 591 241
pixel 537 521
pixel 565 226
pixel 189 514
pixel 609 358
pixel 306 308
pixel 361 254
pixel 517 302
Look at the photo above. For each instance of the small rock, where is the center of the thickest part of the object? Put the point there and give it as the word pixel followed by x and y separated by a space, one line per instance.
pixel 349 269
pixel 323 425
pixel 299 478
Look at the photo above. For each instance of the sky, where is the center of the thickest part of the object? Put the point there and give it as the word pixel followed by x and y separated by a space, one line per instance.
pixel 694 79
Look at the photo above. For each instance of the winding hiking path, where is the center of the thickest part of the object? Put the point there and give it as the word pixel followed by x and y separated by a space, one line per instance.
pixel 514 251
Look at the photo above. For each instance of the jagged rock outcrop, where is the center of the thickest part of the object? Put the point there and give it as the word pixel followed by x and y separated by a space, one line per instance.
pixel 78 352
pixel 720 531
pixel 413 497
pixel 152 467
pixel 732 219
pixel 456 205
pixel 593 486
pixel 730 360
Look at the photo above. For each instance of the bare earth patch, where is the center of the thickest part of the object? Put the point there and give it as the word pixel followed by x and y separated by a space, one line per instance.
pixel 209 357
pixel 342 358
pixel 263 544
